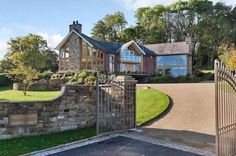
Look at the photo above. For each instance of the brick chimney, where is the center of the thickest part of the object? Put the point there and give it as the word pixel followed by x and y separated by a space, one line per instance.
pixel 75 26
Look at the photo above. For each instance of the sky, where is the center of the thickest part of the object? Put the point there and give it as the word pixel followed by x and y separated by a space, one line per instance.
pixel 50 18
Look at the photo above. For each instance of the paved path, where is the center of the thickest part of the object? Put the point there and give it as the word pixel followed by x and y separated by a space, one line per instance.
pixel 191 118
pixel 123 146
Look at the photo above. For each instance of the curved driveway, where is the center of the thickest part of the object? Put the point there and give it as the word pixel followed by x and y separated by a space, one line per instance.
pixel 191 118
pixel 192 110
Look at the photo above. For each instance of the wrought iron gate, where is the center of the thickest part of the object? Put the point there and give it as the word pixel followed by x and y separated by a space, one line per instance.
pixel 116 100
pixel 225 90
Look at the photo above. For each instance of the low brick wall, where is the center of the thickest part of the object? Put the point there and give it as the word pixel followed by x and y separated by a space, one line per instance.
pixel 74 108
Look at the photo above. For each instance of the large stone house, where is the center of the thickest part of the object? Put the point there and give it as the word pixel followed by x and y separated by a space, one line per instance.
pixel 78 52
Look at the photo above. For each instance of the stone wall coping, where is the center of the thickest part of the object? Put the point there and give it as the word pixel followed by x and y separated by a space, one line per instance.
pixel 62 92
pixel 76 85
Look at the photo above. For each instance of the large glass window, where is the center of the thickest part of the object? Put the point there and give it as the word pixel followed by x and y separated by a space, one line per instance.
pixel 176 65
pixel 62 53
pixel 122 67
pixel 128 55
pixel 111 58
pixel 135 67
pixel 111 63
pixel 90 51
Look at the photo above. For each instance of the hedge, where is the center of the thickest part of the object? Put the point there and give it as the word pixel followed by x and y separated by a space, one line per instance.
pixel 4 80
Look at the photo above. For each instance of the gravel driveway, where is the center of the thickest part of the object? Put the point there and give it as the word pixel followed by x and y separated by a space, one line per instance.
pixel 191 119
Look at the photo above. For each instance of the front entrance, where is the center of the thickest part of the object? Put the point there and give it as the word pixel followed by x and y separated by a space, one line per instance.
pixel 225 90
pixel 116 100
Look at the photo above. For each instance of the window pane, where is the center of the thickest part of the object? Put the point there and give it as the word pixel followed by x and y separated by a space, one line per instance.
pixel 176 60
pixel 174 65
pixel 90 51
pixel 128 55
pixel 182 71
pixel 174 72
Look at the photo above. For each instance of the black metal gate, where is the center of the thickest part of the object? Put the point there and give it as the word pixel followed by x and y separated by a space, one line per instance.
pixel 225 90
pixel 116 100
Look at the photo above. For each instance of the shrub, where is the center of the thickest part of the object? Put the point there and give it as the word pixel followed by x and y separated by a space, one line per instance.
pixel 81 78
pixel 4 80
pixel 90 80
pixel 78 75
pixel 160 78
pixel 45 75
pixel 169 79
pixel 56 76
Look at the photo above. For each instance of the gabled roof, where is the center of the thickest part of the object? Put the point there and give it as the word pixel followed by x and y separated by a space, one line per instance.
pixel 110 47
pixel 148 50
pixel 66 38
pixel 170 48
pixel 126 45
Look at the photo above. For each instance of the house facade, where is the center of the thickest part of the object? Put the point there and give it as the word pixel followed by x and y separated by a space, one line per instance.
pixel 78 52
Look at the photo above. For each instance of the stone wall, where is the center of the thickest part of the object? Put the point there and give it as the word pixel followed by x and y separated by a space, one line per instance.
pixel 74 108
pixel 74 45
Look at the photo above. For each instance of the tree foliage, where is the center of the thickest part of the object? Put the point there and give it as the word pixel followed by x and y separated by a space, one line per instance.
pixel 29 51
pixel 24 75
pixel 208 25
pixel 109 27
pixel 228 56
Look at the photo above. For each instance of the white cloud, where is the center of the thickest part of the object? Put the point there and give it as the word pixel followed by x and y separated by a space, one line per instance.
pixel 48 33
pixel 4 31
pixel 3 48
pixel 134 4
pixel 52 39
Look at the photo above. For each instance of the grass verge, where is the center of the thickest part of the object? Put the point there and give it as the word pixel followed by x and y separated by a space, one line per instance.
pixel 150 104
pixel 13 147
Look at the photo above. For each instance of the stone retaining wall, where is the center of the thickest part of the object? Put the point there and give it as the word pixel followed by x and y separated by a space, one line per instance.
pixel 74 108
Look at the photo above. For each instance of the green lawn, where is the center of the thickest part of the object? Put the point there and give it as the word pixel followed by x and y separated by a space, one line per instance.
pixel 6 93
pixel 12 147
pixel 150 104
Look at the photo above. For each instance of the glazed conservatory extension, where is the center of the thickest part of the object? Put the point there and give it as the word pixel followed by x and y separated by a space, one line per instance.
pixel 79 52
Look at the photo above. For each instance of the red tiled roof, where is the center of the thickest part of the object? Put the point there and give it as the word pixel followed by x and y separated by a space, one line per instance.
pixel 170 48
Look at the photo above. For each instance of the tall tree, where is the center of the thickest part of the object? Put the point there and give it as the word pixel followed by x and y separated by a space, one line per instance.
pixel 207 24
pixel 32 51
pixel 99 31
pixel 109 27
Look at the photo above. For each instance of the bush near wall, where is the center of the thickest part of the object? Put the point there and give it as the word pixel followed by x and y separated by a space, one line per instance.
pixel 82 78
pixel 182 79
pixel 4 80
